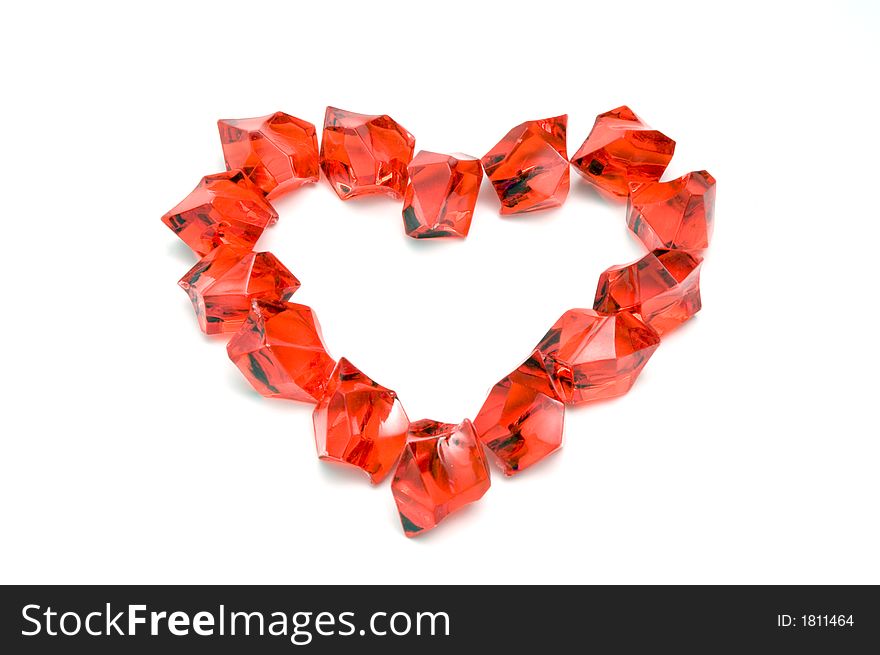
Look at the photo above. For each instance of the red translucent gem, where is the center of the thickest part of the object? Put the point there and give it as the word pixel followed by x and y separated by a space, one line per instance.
pixel 279 152
pixel 440 195
pixel 521 420
pixel 359 422
pixel 663 288
pixel 224 283
pixel 529 167
pixel 592 356
pixel 621 149
pixel 223 208
pixel 281 351
pixel 677 214
pixel 365 155
pixel 441 470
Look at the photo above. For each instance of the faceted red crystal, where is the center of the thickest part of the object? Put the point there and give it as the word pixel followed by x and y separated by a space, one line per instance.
pixel 359 422
pixel 279 152
pixel 442 469
pixel 529 167
pixel 281 352
pixel 440 195
pixel 223 208
pixel 365 155
pixel 621 149
pixel 677 214
pixel 224 282
pixel 592 356
pixel 663 288
pixel 521 420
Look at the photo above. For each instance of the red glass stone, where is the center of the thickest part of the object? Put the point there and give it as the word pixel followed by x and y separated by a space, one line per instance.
pixel 223 208
pixel 440 195
pixel 442 469
pixel 365 155
pixel 281 352
pixel 677 214
pixel 224 282
pixel 621 149
pixel 521 421
pixel 529 167
pixel 279 152
pixel 591 356
pixel 663 288
pixel 359 422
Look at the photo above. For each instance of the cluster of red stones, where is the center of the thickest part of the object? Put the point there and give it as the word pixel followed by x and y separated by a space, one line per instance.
pixel 587 355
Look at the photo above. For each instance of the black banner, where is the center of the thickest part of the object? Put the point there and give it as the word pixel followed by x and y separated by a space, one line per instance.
pixel 423 619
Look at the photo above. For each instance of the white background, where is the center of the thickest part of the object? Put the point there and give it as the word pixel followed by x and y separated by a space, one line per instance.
pixel 133 451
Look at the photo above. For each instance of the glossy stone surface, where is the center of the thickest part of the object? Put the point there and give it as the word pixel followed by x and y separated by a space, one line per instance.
pixel 663 288
pixel 621 149
pixel 521 421
pixel 224 283
pixel 591 356
pixel 364 154
pixel 223 208
pixel 359 422
pixel 279 152
pixel 440 195
pixel 529 167
pixel 281 352
pixel 677 215
pixel 441 470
